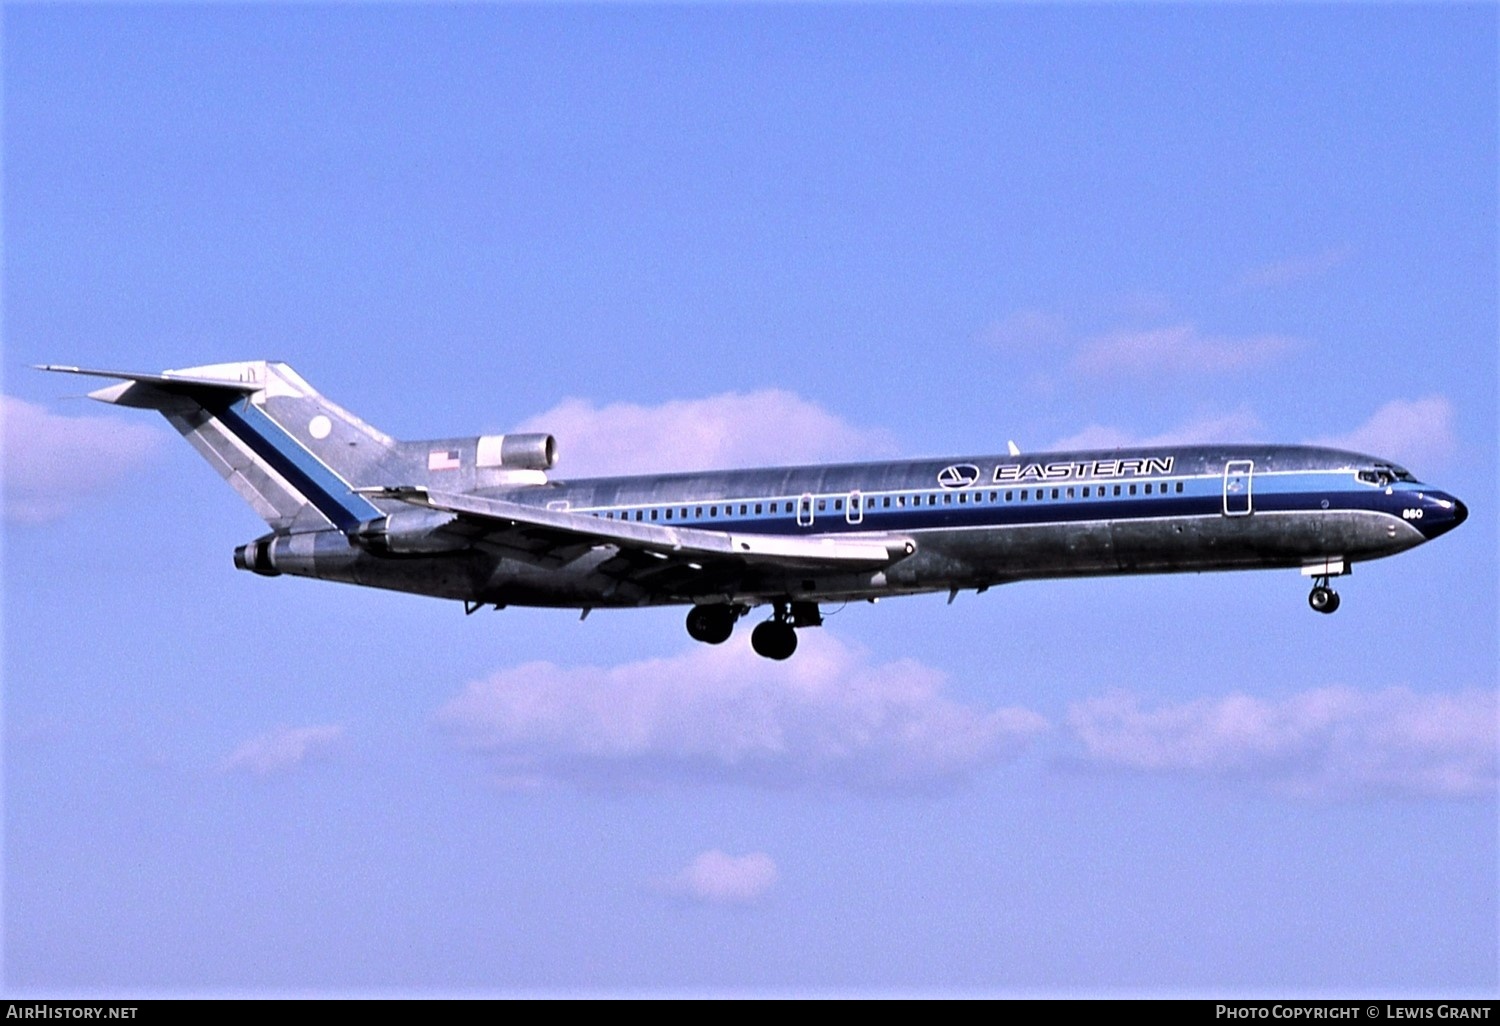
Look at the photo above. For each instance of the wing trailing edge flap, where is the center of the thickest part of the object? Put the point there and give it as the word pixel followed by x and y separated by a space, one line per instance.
pixel 686 544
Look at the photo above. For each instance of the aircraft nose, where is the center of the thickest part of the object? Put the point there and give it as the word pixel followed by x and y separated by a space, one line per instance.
pixel 1442 513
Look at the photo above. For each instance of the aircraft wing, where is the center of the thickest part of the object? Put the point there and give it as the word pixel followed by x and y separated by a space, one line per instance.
pixel 556 537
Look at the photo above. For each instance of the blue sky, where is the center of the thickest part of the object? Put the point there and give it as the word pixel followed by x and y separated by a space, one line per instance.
pixel 682 236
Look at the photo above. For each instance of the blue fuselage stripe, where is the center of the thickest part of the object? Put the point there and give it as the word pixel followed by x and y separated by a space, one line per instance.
pixel 1202 497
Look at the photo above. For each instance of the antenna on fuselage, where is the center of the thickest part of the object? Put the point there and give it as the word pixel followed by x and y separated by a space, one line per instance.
pixel 1014 449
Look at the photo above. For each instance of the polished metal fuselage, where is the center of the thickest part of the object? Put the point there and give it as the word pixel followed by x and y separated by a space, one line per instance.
pixel 975 521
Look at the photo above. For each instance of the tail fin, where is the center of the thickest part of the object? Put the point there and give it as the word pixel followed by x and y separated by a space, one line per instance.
pixel 293 455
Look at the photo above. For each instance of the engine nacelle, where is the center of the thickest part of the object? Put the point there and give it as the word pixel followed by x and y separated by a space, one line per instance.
pixel 516 452
pixel 417 532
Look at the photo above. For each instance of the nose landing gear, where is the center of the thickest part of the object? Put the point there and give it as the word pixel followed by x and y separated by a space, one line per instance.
pixel 1323 599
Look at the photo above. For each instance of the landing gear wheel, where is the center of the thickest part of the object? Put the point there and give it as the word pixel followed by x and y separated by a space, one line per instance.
pixel 774 640
pixel 712 624
pixel 1323 599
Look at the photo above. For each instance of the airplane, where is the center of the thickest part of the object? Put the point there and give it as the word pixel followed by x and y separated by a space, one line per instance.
pixel 478 519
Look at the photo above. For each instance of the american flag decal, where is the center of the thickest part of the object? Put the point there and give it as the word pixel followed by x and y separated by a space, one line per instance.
pixel 442 459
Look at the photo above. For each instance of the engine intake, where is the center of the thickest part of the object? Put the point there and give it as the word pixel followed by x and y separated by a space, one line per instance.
pixel 516 452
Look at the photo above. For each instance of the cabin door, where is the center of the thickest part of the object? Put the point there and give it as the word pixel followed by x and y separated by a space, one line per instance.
pixel 1237 480
pixel 854 512
pixel 805 511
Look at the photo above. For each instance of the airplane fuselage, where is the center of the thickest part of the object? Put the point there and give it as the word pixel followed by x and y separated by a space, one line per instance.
pixel 976 522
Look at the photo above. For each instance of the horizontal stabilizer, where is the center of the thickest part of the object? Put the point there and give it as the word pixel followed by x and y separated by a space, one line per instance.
pixel 165 378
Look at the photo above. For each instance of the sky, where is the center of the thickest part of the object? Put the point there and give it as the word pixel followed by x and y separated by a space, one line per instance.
pixel 731 235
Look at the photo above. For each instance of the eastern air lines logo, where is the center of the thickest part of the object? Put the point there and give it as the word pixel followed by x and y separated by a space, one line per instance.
pixel 959 475
pixel 964 475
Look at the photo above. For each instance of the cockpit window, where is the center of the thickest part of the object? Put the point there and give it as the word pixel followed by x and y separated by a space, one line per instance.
pixel 1383 475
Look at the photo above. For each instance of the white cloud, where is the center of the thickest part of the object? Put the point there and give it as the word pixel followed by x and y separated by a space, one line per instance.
pixel 1293 269
pixel 1179 349
pixel 1026 329
pixel 283 749
pixel 1327 743
pixel 828 717
pixel 1415 432
pixel 53 463
pixel 769 427
pixel 1240 425
pixel 717 878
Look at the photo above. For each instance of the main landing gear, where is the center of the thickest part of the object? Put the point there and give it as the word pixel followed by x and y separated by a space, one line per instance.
pixel 713 624
pixel 1323 599
pixel 776 638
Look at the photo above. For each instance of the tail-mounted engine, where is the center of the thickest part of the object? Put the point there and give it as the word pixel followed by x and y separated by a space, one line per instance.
pixel 516 452
pixel 257 557
pixel 417 532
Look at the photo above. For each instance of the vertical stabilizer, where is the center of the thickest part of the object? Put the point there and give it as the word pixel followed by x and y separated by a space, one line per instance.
pixel 293 455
